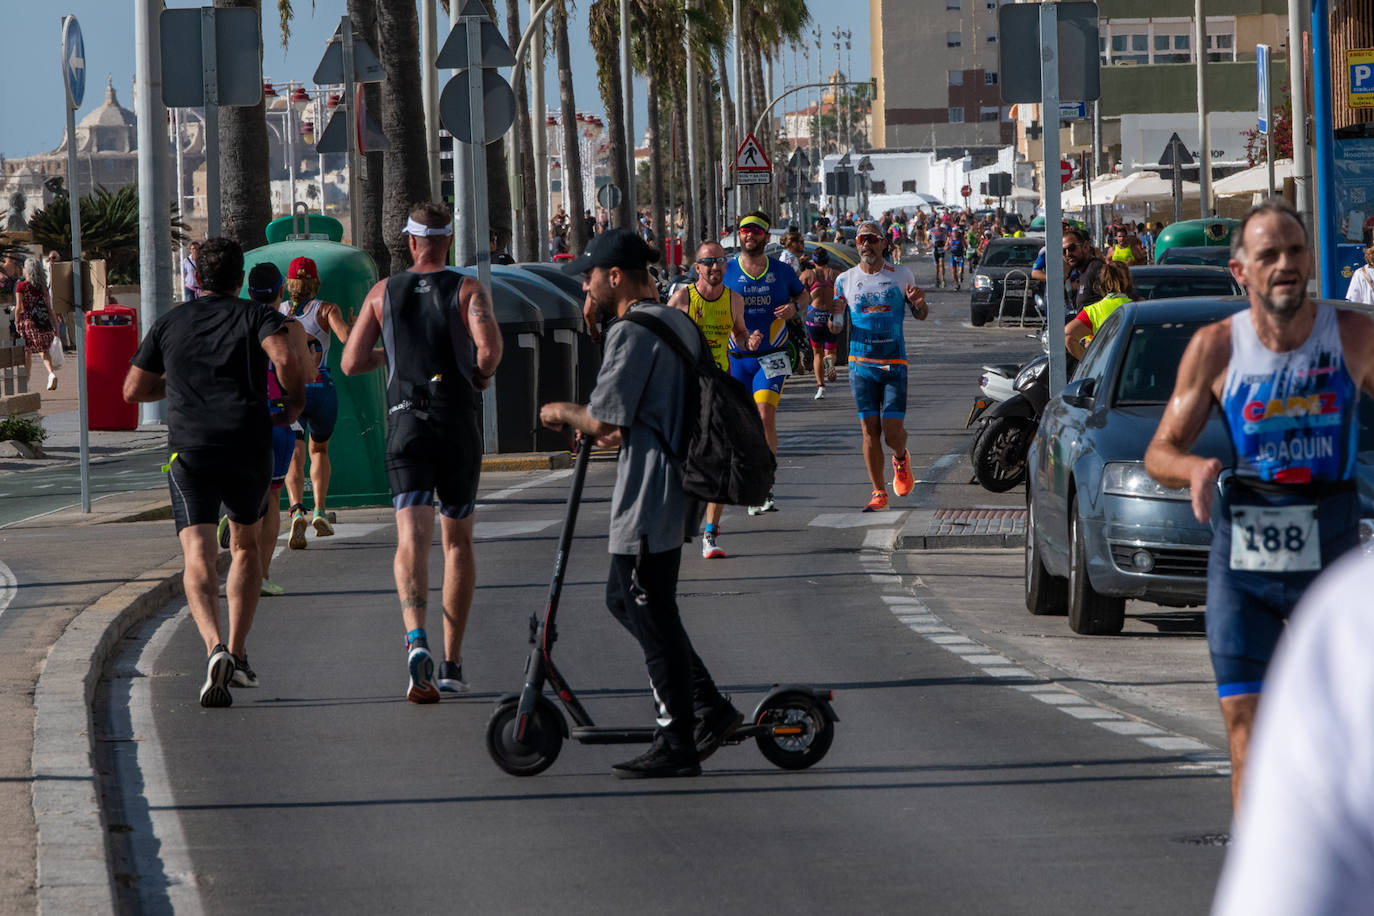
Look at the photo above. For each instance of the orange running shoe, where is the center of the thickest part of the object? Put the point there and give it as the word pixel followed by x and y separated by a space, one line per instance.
pixel 878 503
pixel 902 481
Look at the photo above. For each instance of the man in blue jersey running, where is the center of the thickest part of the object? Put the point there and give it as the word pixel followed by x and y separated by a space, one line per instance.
pixel 1286 373
pixel 772 293
pixel 877 296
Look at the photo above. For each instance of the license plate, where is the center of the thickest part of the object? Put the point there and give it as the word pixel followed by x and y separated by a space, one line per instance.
pixel 775 365
pixel 1275 538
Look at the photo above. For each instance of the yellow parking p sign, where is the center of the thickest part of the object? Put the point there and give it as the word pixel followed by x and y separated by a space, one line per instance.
pixel 1360 66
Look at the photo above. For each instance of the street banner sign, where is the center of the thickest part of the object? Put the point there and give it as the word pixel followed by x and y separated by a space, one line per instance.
pixel 1262 85
pixel 73 61
pixel 750 157
pixel 1360 63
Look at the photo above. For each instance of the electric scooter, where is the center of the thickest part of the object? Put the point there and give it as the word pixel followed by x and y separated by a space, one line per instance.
pixel 793 725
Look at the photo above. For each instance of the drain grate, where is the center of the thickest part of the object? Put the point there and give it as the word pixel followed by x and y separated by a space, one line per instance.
pixel 968 526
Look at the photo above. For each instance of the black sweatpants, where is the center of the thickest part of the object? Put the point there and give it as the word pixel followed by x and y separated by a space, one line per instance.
pixel 642 594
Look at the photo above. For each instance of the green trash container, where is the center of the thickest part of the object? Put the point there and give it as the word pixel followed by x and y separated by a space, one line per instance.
pixel 313 226
pixel 516 386
pixel 1195 233
pixel 357 448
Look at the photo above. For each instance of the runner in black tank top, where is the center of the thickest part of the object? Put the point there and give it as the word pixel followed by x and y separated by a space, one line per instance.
pixel 441 345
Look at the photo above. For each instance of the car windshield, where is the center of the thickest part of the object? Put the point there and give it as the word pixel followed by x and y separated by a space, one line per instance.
pixel 1152 358
pixel 1178 287
pixel 1010 255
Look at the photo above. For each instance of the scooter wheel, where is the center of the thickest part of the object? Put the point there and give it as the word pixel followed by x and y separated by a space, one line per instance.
pixel 540 746
pixel 798 731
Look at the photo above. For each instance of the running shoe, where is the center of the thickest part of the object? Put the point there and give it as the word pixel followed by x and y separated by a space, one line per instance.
pixel 219 671
pixel 271 589
pixel 244 676
pixel 323 528
pixel 298 526
pixel 422 686
pixel 830 373
pixel 52 382
pixel 222 532
pixel 709 549
pixel 757 510
pixel 820 394
pixel 451 678
pixel 769 505
pixel 878 502
pixel 902 481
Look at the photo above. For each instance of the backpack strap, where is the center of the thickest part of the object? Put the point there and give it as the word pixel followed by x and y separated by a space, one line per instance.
pixel 659 328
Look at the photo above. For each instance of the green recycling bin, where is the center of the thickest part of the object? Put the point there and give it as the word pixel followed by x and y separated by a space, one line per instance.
pixel 357 448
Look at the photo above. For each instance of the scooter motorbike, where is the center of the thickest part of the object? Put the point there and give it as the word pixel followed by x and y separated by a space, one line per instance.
pixel 1002 444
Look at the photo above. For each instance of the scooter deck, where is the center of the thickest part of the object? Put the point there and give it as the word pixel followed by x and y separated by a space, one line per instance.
pixel 598 734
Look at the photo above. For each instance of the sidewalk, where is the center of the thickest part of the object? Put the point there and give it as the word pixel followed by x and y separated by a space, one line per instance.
pixel 63 443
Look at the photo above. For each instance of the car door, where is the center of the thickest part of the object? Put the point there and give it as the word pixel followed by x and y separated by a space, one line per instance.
pixel 1060 444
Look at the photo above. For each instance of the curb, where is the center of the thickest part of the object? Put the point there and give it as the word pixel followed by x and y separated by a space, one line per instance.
pixel 915 535
pixel 73 865
pixel 533 461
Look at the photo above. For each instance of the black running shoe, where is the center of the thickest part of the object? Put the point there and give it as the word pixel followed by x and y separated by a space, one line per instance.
pixel 660 762
pixel 714 725
pixel 219 671
pixel 244 676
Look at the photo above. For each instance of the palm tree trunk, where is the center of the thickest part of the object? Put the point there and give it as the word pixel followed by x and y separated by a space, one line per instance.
pixel 526 240
pixel 652 63
pixel 573 195
pixel 710 188
pixel 604 18
pixel 405 180
pixel 681 162
pixel 245 186
pixel 728 141
pixel 498 189
pixel 370 178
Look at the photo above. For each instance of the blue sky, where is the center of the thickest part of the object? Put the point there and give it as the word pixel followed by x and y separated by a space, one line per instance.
pixel 34 117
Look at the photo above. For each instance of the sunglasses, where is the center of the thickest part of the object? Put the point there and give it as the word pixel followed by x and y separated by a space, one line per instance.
pixel 1071 247
pixel 871 239
pixel 752 230
pixel 711 262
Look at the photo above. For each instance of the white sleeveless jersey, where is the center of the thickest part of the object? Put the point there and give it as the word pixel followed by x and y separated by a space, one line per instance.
pixel 309 319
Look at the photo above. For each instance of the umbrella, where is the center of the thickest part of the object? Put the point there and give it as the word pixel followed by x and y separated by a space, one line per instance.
pixel 1102 188
pixel 1253 180
pixel 1144 187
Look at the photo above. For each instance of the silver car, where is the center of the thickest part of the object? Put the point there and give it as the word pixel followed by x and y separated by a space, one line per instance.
pixel 1099 530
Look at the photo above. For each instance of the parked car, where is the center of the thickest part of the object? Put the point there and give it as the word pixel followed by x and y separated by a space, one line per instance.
pixel 1099 530
pixel 1005 266
pixel 1174 281
pixel 1212 255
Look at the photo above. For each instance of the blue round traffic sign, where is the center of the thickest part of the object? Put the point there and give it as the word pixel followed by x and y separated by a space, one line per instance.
pixel 73 61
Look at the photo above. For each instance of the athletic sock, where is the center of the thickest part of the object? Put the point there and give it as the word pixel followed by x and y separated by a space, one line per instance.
pixel 712 528
pixel 417 638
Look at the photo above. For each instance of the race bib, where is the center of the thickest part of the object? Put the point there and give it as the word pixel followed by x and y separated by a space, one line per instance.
pixel 775 365
pixel 1275 538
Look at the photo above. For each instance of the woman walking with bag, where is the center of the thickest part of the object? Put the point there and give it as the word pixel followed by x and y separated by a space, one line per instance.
pixel 33 318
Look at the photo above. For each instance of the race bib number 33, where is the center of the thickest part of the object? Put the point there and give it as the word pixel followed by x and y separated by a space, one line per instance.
pixel 1275 538
pixel 774 365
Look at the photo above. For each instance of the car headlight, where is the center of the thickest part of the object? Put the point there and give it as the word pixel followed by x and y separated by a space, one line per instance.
pixel 982 281
pixel 1029 373
pixel 1128 478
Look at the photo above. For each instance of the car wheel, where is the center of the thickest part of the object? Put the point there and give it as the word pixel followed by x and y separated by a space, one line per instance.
pixel 1045 594
pixel 1090 613
pixel 977 318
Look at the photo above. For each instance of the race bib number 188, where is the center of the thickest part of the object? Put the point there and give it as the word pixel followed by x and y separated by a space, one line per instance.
pixel 1275 538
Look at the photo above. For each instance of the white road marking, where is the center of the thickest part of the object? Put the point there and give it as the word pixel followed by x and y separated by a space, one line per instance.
pixel 490 531
pixel 508 492
pixel 9 587
pixel 878 538
pixel 853 520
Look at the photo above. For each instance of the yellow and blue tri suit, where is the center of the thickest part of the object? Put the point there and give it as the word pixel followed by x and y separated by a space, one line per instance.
pixel 762 296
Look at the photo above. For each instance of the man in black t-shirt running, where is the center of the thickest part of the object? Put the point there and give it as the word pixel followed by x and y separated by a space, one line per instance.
pixel 440 346
pixel 208 358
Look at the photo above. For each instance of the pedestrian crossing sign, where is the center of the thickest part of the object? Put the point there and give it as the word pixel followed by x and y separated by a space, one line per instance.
pixel 750 157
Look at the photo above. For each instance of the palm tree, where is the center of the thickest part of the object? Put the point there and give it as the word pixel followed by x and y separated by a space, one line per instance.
pixel 370 184
pixel 527 245
pixel 572 155
pixel 603 18
pixel 245 189
pixel 109 230
pixel 405 172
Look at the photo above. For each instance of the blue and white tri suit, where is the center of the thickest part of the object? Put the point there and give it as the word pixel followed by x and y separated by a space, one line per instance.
pixel 877 352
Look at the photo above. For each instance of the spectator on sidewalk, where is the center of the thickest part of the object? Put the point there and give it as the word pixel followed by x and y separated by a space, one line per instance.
pixel 190 283
pixel 33 318
pixel 209 358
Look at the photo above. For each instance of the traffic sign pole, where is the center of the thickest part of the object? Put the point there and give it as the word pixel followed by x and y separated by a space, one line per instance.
pixel 350 97
pixel 74 73
pixel 1054 227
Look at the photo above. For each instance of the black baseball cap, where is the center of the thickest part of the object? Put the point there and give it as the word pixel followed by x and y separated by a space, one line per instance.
pixel 263 282
pixel 614 248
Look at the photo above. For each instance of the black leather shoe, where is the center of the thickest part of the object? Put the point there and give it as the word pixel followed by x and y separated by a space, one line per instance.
pixel 659 762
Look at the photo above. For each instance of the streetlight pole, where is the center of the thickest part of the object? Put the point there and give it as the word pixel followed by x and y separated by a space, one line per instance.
pixel 739 96
pixel 627 93
pixel 1204 171
pixel 539 135
pixel 1297 93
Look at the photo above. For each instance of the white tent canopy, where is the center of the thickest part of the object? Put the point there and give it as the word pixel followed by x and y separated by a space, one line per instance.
pixel 1135 188
pixel 910 201
pixel 1253 180
pixel 1076 198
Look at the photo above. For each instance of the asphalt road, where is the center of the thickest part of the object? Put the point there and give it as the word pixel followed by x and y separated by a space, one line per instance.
pixel 970 772
pixel 27 494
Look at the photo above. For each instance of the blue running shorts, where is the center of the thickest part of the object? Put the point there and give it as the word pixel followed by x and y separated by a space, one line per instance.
pixel 746 369
pixel 878 390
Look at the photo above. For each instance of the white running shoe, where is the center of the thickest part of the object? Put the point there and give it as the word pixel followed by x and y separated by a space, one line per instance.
pixel 709 549
pixel 820 394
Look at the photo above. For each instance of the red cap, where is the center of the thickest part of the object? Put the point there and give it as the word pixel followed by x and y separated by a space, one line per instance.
pixel 302 268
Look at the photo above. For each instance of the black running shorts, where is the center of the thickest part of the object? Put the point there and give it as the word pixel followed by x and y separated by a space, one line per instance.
pixel 425 456
pixel 200 481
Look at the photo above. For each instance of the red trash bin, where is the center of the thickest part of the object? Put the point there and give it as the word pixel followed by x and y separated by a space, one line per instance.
pixel 111 340
pixel 674 245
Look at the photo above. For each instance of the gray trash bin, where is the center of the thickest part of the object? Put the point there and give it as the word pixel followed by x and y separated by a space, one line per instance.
pixel 516 384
